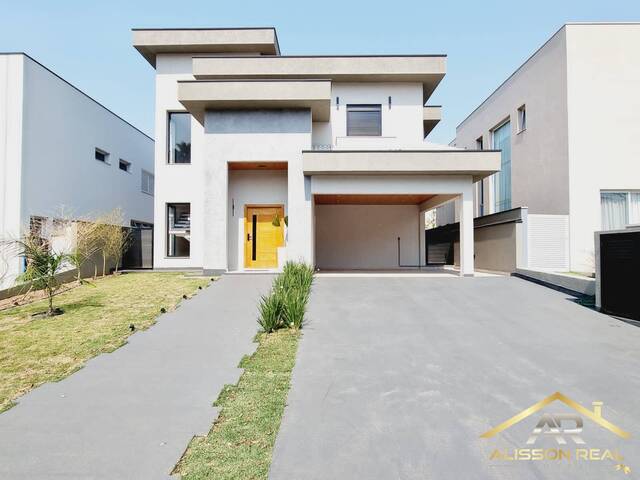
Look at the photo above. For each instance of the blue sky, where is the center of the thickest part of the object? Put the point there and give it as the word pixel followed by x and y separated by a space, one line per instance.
pixel 89 43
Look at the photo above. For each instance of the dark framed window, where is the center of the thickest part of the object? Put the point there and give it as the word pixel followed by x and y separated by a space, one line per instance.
pixel 124 165
pixel 178 230
pixel 102 156
pixel 364 120
pixel 179 137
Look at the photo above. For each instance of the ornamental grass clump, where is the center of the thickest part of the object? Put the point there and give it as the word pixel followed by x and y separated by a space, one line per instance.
pixel 285 305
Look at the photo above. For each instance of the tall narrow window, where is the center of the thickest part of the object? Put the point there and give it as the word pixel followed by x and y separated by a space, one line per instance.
pixel 501 137
pixel 179 133
pixel 364 120
pixel 479 144
pixel 146 182
pixel 178 229
pixel 522 118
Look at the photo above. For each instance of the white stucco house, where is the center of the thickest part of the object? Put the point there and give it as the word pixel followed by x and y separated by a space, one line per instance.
pixel 262 157
pixel 60 149
pixel 567 123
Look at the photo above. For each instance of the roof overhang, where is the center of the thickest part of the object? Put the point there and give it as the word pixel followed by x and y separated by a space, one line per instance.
pixel 249 41
pixel 477 163
pixel 431 116
pixel 426 69
pixel 200 96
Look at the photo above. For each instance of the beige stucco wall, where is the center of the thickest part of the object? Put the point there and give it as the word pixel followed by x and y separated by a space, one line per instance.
pixel 366 236
pixel 539 155
pixel 495 247
pixel 604 124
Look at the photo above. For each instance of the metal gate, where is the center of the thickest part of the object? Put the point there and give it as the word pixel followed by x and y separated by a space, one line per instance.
pixel 619 267
pixel 439 244
pixel 140 251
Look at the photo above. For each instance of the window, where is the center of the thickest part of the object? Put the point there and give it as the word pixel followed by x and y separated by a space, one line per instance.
pixel 522 118
pixel 364 120
pixel 179 137
pixel 178 229
pixel 480 198
pixel 619 209
pixel 102 156
pixel 124 166
pixel 479 144
pixel 146 182
pixel 501 138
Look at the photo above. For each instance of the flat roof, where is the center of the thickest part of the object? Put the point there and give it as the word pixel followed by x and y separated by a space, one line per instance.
pixel 251 40
pixel 427 69
pixel 78 90
pixel 530 57
pixel 201 95
pixel 477 163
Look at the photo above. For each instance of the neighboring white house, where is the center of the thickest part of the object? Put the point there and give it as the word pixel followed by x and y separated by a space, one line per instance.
pixel 59 148
pixel 567 122
pixel 262 157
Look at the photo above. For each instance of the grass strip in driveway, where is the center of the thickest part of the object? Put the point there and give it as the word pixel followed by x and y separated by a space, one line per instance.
pixel 96 319
pixel 240 443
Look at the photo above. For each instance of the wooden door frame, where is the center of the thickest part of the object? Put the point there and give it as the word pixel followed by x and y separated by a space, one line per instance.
pixel 248 206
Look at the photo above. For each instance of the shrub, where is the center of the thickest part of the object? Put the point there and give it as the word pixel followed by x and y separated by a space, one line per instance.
pixel 295 305
pixel 271 312
pixel 286 304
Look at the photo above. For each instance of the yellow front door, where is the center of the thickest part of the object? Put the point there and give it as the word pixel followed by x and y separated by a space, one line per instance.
pixel 262 236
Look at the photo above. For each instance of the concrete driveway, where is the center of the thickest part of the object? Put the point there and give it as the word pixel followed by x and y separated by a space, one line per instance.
pixel 130 414
pixel 397 378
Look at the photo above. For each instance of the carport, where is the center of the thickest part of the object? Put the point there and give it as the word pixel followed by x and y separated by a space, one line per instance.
pixel 368 206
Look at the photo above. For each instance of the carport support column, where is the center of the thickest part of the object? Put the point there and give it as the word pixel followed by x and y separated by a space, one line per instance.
pixel 466 231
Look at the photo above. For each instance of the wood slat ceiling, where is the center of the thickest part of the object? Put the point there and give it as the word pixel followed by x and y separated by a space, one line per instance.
pixel 371 199
pixel 257 165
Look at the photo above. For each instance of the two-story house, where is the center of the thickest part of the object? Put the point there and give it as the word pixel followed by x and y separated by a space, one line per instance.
pixel 62 152
pixel 262 157
pixel 567 123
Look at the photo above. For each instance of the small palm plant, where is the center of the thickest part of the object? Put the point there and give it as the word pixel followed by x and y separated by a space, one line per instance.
pixel 43 266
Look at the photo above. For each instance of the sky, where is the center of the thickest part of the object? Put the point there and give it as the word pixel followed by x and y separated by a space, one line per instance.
pixel 89 42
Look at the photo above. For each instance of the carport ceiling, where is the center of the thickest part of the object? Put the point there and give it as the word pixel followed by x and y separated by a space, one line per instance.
pixel 381 199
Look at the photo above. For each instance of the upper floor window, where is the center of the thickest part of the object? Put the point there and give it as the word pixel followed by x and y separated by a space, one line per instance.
pixel 124 166
pixel 522 118
pixel 147 180
pixel 179 137
pixel 364 120
pixel 501 138
pixel 102 156
pixel 479 144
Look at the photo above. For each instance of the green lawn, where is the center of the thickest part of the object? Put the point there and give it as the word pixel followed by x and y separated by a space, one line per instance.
pixel 95 320
pixel 240 444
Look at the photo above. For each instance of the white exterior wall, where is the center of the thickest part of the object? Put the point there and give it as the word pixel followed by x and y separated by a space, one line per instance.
pixel 177 183
pixel 401 123
pixel 48 134
pixel 11 96
pixel 61 130
pixel 250 188
pixel 539 155
pixel 256 136
pixel 583 118
pixel 366 236
pixel 604 123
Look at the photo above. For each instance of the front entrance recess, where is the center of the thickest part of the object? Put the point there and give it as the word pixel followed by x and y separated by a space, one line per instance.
pixel 263 234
